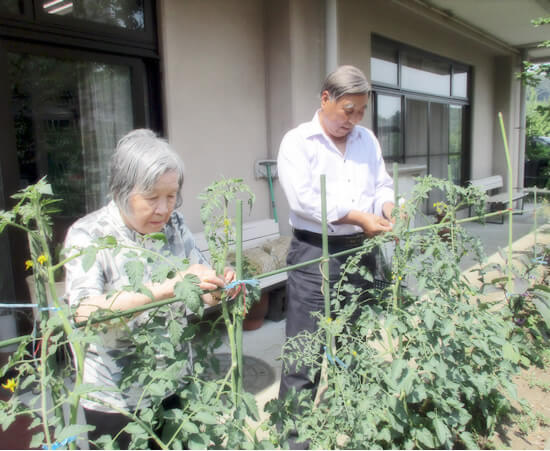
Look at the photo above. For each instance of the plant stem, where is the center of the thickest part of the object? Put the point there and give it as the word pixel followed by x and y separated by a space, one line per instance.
pixel 44 388
pixel 239 318
pixel 325 262
pixel 510 201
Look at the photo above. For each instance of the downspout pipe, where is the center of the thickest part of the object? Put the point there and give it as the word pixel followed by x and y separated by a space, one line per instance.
pixel 331 35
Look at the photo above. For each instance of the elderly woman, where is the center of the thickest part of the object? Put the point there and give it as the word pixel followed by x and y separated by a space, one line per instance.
pixel 146 181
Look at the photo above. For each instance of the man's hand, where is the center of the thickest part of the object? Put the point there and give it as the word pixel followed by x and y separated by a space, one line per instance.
pixel 371 224
pixel 387 210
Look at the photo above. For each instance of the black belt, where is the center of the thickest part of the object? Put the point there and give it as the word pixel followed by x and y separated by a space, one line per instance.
pixel 340 241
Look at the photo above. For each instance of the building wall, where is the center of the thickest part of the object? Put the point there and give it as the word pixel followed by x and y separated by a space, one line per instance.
pixel 415 27
pixel 214 92
pixel 239 73
pixel 295 43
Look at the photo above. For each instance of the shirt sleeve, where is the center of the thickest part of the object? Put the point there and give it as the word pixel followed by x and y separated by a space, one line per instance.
pixel 384 183
pixel 302 192
pixel 192 252
pixel 79 283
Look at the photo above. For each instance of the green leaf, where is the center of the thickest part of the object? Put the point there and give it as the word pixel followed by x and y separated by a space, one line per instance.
pixel 206 418
pixel 468 440
pixel 384 435
pixel 37 441
pixel 510 388
pixel 509 353
pixel 6 420
pixel 418 394
pixel 73 429
pixel 159 236
pixel 107 241
pixel 189 427
pixel 175 330
pixel 429 319
pixel 251 406
pixel 198 441
pixel 425 437
pixel 134 270
pixel 520 285
pixel 134 429
pixel 441 430
pixel 89 257
pixel 349 288
pixel 543 310
pixel 542 287
pixel 189 292
pixel 44 189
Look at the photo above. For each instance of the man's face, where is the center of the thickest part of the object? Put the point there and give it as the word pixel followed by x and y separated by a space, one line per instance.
pixel 338 117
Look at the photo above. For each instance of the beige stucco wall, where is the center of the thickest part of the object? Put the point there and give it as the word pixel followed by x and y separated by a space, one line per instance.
pixel 214 93
pixel 295 46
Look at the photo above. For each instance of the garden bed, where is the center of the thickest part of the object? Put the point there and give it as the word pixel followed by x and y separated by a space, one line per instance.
pixel 528 427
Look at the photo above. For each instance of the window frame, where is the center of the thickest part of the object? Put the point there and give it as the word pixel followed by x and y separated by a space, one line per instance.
pixel 36 25
pixel 381 88
pixel 80 40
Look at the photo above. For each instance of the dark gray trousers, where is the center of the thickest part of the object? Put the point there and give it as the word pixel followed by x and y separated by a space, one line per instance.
pixel 304 297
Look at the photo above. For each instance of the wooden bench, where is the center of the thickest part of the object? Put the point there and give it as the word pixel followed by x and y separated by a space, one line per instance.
pixel 498 200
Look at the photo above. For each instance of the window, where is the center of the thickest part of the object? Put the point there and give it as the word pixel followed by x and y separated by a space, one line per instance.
pixel 127 14
pixel 424 74
pixel 388 125
pixel 68 115
pixel 10 7
pixel 75 76
pixel 384 68
pixel 421 108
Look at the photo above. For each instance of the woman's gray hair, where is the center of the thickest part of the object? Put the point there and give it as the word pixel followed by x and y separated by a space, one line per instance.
pixel 140 158
pixel 345 80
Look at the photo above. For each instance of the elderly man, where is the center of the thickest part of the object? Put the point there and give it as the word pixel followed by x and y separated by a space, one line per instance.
pixel 359 197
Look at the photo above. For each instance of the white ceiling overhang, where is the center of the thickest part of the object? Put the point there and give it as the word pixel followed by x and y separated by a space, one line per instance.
pixel 501 24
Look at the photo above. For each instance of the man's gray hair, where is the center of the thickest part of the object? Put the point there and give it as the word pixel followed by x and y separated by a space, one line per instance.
pixel 140 158
pixel 345 80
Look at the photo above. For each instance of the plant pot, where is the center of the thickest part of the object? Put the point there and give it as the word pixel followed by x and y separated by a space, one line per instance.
pixel 18 435
pixel 255 316
pixel 8 329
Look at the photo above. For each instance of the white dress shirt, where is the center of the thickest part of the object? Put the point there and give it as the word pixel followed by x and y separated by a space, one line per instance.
pixel 355 180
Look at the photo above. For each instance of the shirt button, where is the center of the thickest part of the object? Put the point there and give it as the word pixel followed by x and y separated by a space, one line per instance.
pixel 349 180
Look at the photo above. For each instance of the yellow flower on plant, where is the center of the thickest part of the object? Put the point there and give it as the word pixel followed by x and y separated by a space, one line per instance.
pixel 28 265
pixel 329 320
pixel 10 385
pixel 42 259
pixel 354 353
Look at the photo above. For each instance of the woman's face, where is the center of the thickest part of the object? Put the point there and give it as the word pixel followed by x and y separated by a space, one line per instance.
pixel 149 212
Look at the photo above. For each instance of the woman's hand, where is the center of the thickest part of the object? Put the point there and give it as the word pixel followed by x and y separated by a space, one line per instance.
pixel 209 281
